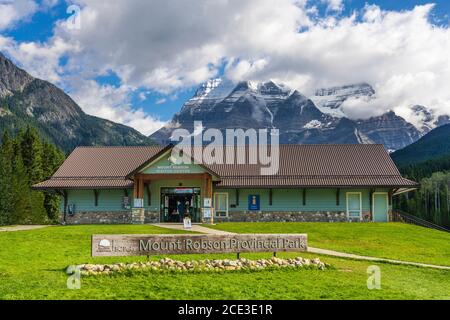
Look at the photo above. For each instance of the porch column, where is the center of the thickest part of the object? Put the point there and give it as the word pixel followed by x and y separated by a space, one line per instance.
pixel 141 188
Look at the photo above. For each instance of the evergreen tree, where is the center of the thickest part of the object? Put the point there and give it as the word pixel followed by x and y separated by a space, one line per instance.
pixel 31 149
pixel 24 161
pixel 20 188
pixel 52 159
pixel 6 175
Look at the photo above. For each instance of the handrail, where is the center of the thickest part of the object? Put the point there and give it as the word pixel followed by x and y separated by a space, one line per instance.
pixel 401 216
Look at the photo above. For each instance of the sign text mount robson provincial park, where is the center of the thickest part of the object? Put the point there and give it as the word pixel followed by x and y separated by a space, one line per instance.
pixel 134 245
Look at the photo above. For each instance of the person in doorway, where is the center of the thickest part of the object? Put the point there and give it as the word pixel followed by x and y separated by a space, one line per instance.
pixel 181 209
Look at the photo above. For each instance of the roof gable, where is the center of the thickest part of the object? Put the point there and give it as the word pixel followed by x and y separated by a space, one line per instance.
pixel 164 165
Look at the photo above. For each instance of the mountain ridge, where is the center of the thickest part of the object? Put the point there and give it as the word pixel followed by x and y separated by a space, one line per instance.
pixel 433 145
pixel 25 100
pixel 222 104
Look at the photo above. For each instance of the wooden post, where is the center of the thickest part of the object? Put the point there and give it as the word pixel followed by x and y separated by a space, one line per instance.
pixel 237 197
pixel 270 196
pixel 136 187
pixel 304 196
pixel 338 196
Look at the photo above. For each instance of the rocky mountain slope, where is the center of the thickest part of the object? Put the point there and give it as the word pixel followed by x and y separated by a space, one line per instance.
pixel 319 119
pixel 25 100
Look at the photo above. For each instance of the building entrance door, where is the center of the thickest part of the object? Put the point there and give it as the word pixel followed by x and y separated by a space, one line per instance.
pixel 177 203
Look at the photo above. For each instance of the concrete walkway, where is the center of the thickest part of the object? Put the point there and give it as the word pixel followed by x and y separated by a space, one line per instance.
pixel 202 229
pixel 195 228
pixel 358 257
pixel 21 228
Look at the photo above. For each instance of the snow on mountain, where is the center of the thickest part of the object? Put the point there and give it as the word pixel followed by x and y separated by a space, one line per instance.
pixel 329 100
pixel 222 104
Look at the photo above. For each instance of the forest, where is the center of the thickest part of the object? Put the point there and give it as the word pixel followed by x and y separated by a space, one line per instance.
pixel 432 201
pixel 26 159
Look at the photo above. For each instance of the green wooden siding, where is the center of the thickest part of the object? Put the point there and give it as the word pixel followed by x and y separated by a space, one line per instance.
pixel 292 199
pixel 108 200
pixel 282 199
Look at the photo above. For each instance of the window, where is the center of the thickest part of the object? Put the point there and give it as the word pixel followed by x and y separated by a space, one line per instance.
pixel 221 204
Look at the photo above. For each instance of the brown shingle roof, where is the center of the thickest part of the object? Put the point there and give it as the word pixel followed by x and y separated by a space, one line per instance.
pixel 104 161
pixel 300 165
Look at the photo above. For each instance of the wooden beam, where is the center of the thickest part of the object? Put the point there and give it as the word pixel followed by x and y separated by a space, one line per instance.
pixel 136 187
pixel 304 196
pixel 270 196
pixel 141 189
pixel 96 197
pixel 338 196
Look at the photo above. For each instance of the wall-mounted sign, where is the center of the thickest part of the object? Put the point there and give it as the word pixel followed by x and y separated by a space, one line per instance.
pixel 138 203
pixel 253 202
pixel 133 245
pixel 207 212
pixel 207 202
pixel 126 203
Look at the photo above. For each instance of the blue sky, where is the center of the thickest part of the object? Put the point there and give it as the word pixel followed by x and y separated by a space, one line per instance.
pixel 157 83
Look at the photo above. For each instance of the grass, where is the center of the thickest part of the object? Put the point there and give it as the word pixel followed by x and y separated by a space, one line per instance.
pixel 32 266
pixel 384 240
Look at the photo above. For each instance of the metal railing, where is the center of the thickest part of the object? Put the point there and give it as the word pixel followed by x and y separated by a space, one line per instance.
pixel 401 216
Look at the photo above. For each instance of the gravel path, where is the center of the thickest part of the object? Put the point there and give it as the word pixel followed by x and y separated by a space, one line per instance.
pixel 21 228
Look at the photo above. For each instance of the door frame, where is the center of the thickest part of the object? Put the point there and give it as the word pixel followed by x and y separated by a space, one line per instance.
pixel 387 205
pixel 161 208
pixel 360 203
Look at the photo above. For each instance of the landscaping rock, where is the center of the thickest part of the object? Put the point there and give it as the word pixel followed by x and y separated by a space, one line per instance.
pixel 217 265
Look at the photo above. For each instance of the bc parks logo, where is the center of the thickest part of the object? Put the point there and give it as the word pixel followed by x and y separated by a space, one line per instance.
pixel 104 245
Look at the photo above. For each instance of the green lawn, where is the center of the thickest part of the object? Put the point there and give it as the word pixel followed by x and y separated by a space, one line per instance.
pixel 32 266
pixel 385 240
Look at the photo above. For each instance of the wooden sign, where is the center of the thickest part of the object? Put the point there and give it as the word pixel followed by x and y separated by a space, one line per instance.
pixel 134 245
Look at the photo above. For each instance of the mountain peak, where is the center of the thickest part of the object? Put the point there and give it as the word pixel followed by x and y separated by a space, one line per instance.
pixel 12 78
pixel 54 114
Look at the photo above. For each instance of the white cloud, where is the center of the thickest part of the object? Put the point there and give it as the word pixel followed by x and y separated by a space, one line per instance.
pixel 334 5
pixel 11 11
pixel 112 103
pixel 41 60
pixel 167 45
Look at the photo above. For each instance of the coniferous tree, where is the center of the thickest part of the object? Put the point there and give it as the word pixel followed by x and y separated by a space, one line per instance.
pixel 31 149
pixel 24 161
pixel 52 159
pixel 6 174
pixel 20 189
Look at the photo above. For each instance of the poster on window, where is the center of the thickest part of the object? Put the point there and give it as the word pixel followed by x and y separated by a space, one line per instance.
pixel 253 202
